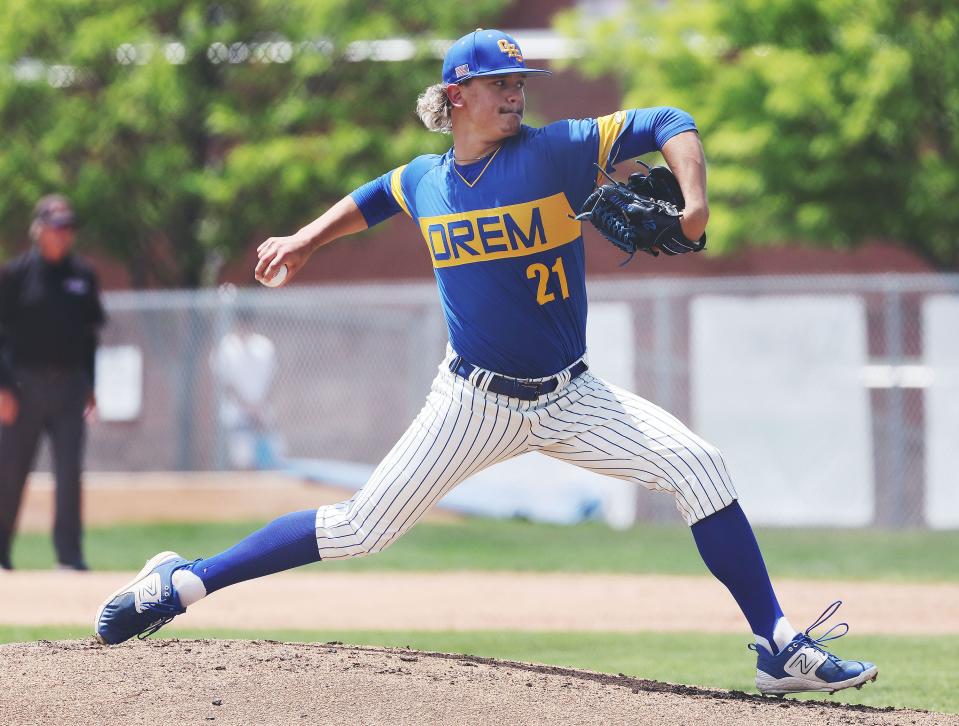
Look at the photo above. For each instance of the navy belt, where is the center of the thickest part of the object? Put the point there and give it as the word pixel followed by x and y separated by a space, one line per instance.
pixel 523 389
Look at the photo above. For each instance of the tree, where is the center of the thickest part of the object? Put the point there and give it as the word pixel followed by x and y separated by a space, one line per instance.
pixel 829 121
pixel 183 129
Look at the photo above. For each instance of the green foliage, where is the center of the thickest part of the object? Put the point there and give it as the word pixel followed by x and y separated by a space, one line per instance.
pixel 830 121
pixel 175 161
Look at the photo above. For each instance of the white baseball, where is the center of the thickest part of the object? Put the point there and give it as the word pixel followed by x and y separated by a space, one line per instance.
pixel 278 278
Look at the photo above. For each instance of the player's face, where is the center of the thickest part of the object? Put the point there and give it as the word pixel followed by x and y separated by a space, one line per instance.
pixel 497 103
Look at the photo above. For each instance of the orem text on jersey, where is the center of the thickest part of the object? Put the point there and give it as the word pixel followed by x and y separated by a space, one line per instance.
pixel 491 234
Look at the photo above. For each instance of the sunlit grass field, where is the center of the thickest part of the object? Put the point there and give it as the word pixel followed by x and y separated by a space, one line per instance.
pixel 915 672
pixel 480 544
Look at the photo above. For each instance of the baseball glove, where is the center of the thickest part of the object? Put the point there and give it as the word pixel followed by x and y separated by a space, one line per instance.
pixel 643 215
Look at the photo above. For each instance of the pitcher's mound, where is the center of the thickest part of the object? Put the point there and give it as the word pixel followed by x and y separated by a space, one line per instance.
pixel 265 682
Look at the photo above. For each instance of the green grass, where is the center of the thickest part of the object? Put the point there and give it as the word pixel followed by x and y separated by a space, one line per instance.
pixel 479 544
pixel 916 672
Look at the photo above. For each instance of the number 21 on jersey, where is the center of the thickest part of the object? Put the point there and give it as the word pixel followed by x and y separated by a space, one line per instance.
pixel 543 274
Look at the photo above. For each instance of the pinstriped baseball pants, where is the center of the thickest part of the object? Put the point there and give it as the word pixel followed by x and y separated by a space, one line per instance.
pixel 463 429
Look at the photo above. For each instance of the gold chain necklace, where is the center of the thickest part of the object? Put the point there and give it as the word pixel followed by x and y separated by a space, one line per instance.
pixel 470 185
pixel 469 161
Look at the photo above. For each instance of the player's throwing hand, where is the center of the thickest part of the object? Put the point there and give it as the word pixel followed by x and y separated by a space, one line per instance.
pixel 277 252
pixel 341 219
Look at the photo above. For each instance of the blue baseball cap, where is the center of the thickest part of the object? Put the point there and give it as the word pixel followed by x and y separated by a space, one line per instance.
pixel 484 53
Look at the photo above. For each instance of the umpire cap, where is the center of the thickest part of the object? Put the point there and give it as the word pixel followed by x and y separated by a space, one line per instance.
pixel 54 210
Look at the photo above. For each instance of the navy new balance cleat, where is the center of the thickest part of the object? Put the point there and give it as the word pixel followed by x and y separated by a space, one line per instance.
pixel 143 605
pixel 805 665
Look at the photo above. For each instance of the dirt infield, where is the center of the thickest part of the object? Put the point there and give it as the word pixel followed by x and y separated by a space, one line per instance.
pixel 240 682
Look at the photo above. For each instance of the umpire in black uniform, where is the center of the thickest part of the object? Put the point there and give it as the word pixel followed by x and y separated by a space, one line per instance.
pixel 50 313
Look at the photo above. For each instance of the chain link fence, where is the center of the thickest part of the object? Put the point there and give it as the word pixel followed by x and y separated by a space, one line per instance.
pixel 349 367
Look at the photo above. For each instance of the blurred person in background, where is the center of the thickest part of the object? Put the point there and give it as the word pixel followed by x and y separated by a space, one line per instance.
pixel 244 364
pixel 50 313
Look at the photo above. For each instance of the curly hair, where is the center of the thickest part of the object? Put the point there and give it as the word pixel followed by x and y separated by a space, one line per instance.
pixel 434 109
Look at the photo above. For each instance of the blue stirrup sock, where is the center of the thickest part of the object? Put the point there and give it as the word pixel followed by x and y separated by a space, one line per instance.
pixel 285 543
pixel 728 547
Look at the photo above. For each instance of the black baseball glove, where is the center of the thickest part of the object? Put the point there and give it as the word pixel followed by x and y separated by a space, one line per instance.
pixel 643 215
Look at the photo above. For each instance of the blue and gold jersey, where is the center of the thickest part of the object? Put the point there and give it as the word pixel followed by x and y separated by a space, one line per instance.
pixel 507 255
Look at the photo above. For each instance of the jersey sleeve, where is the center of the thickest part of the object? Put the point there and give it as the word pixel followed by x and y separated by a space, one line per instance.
pixel 6 313
pixel 381 198
pixel 641 130
pixel 395 191
pixel 577 147
pixel 98 316
pixel 97 319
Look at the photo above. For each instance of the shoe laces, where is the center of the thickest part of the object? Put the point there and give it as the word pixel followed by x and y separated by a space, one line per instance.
pixel 154 626
pixel 808 640
pixel 166 610
pixel 817 643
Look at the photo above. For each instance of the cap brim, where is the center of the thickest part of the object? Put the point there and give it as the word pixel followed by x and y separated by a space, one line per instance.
pixel 60 220
pixel 505 72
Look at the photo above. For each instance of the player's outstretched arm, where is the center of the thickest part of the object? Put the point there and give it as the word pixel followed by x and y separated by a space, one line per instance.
pixel 341 219
pixel 685 156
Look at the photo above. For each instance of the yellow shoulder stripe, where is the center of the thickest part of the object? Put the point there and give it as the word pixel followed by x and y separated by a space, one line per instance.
pixel 397 190
pixel 609 130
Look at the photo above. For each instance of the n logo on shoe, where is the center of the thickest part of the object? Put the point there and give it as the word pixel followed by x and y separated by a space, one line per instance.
pixel 147 591
pixel 805 662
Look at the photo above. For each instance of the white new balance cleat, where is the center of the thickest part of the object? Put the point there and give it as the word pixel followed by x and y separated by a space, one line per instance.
pixel 144 605
pixel 805 665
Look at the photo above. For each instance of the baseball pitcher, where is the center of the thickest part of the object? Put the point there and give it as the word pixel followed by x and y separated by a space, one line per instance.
pixel 501 214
